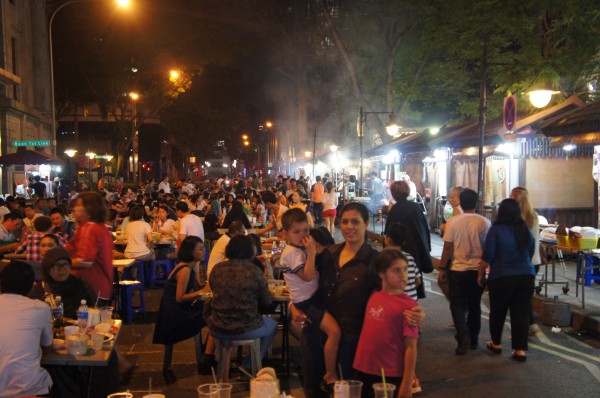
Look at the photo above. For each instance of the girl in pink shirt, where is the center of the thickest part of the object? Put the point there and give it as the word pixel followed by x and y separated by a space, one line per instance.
pixel 379 345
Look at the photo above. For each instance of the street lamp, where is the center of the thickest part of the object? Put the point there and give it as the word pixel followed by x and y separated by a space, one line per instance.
pixel 120 3
pixel 91 155
pixel 134 133
pixel 247 143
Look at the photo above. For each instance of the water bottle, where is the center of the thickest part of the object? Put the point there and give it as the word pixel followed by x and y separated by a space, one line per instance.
pixel 58 310
pixel 274 247
pixel 82 316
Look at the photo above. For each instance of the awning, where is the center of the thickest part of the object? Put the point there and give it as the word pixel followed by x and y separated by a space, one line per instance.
pixel 29 157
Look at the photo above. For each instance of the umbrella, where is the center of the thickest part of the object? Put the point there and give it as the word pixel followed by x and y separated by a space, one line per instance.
pixel 29 157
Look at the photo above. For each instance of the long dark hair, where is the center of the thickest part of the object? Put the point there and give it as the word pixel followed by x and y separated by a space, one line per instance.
pixel 509 213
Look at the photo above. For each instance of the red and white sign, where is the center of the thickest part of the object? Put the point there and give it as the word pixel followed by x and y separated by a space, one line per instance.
pixel 510 113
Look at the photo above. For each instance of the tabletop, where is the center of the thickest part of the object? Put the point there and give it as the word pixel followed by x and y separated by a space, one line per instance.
pixel 123 262
pixel 91 358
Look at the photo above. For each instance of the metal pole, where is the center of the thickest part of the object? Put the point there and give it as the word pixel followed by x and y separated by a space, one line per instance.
pixel 50 48
pixel 360 138
pixel 482 123
pixel 314 154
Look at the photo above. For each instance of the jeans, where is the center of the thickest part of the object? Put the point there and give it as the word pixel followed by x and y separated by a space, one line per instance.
pixel 465 304
pixel 312 359
pixel 511 293
pixel 318 212
pixel 266 333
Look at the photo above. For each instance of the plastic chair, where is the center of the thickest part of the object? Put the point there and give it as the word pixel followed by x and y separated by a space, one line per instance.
pixel 164 266
pixel 140 267
pixel 225 346
pixel 127 309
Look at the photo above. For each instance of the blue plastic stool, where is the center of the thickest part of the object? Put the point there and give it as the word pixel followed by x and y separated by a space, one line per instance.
pixel 166 266
pixel 126 310
pixel 140 266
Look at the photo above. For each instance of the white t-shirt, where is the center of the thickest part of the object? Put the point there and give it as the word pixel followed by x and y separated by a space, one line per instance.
pixel 330 200
pixel 294 259
pixel 191 225
pixel 217 254
pixel 467 231
pixel 137 239
pixel 164 186
pixel 166 228
pixel 28 327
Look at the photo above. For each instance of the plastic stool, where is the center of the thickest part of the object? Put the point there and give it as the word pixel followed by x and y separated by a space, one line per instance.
pixel 225 346
pixel 127 309
pixel 139 266
pixel 151 277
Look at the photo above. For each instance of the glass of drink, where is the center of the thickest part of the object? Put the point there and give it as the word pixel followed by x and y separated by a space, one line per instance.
pixel 347 389
pixel 212 391
pixel 97 340
pixel 380 392
pixel 106 314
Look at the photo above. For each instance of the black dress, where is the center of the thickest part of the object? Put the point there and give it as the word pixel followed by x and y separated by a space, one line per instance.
pixel 178 321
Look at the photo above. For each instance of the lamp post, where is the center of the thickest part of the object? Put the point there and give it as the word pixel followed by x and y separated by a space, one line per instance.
pixel 247 143
pixel 134 133
pixel 91 156
pixel 391 128
pixel 120 3
pixel 70 153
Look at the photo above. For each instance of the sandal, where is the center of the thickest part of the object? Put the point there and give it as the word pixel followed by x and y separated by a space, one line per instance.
pixel 519 358
pixel 490 346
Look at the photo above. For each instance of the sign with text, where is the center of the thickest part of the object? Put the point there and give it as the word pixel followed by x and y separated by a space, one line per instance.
pixel 31 143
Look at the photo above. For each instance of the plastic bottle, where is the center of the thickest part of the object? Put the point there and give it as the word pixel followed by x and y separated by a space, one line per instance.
pixel 82 316
pixel 58 310
pixel 274 247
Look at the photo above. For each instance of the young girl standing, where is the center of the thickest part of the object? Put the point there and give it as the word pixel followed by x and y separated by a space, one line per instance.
pixel 379 346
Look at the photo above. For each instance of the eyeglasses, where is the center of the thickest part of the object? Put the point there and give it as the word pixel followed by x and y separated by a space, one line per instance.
pixel 63 266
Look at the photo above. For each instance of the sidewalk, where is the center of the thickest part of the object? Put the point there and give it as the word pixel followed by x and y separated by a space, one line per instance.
pixel 583 320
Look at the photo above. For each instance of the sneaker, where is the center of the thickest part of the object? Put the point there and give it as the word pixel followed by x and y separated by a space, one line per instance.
pixel 416 386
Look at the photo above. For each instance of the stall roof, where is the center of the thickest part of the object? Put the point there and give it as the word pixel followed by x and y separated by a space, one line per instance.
pixel 577 122
pixel 466 134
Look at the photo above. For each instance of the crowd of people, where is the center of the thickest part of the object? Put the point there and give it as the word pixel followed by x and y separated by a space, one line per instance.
pixel 348 301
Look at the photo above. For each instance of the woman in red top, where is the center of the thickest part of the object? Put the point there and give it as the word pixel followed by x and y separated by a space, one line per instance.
pixel 91 247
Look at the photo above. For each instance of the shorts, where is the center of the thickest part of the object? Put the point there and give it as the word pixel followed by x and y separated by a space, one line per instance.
pixel 329 213
pixel 314 308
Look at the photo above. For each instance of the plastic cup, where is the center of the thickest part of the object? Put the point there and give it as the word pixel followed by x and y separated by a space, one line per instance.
pixel 208 391
pixel 278 288
pixel 154 396
pixel 264 388
pixel 272 284
pixel 69 330
pixel 347 389
pixel 77 344
pixel 120 395
pixel 97 340
pixel 93 316
pixel 106 314
pixel 379 391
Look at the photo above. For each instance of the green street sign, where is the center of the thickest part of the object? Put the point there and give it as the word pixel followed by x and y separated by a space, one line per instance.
pixel 31 143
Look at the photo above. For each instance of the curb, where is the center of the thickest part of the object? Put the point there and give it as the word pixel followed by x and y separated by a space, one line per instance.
pixel 586 321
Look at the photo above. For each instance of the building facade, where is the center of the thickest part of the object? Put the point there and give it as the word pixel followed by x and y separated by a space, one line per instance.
pixel 25 88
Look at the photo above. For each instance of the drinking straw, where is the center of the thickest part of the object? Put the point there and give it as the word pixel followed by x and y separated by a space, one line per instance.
pixel 212 368
pixel 241 369
pixel 384 386
pixel 340 369
pixel 150 386
pixel 97 298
